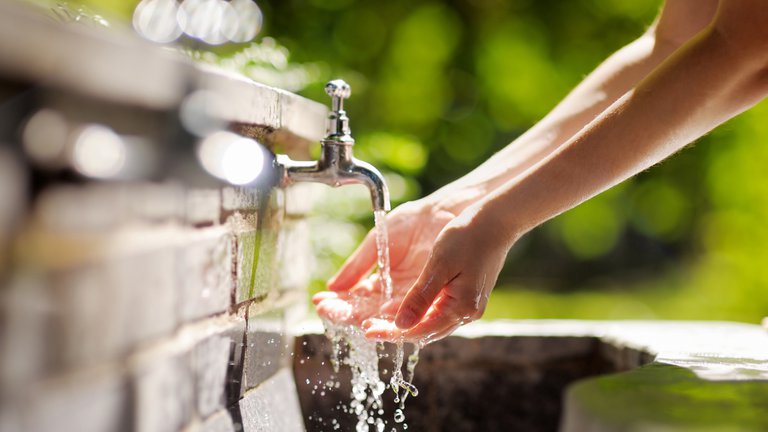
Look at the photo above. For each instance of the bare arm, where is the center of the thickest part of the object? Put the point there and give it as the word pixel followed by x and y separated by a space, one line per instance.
pixel 715 76
pixel 679 21
pixel 414 227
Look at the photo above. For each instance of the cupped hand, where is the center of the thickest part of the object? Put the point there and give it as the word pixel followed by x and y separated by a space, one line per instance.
pixel 353 306
pixel 454 284
pixel 353 296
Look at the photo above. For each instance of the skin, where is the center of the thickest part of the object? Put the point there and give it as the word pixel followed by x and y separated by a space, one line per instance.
pixel 609 128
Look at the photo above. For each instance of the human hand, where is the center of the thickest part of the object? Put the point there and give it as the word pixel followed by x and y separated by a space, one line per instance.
pixel 352 298
pixel 454 284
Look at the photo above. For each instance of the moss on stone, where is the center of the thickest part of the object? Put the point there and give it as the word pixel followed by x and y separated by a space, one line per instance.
pixel 669 398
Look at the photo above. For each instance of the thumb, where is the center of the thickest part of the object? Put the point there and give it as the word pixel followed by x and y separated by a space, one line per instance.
pixel 357 266
pixel 435 275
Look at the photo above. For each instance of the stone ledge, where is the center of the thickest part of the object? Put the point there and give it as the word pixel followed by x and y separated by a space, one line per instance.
pixel 665 397
pixel 511 375
pixel 102 64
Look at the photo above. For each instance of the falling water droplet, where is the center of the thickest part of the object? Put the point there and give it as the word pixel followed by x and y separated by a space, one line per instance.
pixel 399 416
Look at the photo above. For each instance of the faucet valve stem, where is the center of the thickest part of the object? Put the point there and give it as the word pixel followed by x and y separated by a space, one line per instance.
pixel 336 165
pixel 338 122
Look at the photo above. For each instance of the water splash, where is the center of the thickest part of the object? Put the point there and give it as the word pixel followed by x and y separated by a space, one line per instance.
pixel 413 360
pixel 350 347
pixel 362 357
pixel 403 386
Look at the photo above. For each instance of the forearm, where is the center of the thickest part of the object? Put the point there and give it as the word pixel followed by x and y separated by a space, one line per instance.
pixel 703 84
pixel 614 77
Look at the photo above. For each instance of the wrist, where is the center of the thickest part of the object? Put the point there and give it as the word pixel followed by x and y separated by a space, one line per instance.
pixel 455 198
pixel 490 216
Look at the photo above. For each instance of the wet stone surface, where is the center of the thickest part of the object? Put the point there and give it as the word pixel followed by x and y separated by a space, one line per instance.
pixel 164 392
pixel 492 383
pixel 272 406
pixel 265 352
pixel 569 376
pixel 219 422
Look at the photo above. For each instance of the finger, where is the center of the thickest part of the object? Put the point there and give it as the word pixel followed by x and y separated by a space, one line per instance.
pixel 367 287
pixel 357 266
pixel 323 295
pixel 381 330
pixel 433 277
pixel 438 323
pixel 336 310
pixel 390 308
pixel 431 330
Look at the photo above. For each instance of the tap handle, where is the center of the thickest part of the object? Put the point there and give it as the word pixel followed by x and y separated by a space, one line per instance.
pixel 338 90
pixel 338 122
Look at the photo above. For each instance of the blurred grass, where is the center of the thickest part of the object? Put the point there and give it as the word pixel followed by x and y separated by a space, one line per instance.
pixel 440 86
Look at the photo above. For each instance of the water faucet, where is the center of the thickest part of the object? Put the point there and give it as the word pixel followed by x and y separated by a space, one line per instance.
pixel 337 166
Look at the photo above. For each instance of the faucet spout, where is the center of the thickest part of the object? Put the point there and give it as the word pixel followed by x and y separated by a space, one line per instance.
pixel 366 174
pixel 337 165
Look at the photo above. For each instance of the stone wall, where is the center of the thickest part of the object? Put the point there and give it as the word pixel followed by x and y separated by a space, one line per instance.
pixel 155 300
pixel 152 308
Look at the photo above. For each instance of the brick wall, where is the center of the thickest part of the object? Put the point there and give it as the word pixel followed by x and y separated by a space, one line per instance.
pixel 153 308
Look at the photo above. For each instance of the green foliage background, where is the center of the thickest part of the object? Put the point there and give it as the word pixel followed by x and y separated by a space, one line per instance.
pixel 440 86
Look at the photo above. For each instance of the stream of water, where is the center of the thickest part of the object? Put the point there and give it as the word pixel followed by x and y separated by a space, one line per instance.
pixel 350 347
pixel 382 250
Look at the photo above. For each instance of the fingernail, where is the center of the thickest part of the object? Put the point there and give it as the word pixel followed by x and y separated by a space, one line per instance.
pixel 405 319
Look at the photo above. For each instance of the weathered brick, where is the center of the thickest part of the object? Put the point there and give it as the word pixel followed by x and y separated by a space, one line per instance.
pixel 96 305
pixel 266 351
pixel 204 271
pixel 87 317
pixel 83 402
pixel 82 208
pixel 210 362
pixel 247 102
pixel 236 334
pixel 147 293
pixel 296 259
pixel 163 385
pixel 154 203
pixel 302 119
pixel 255 264
pixel 247 242
pixel 219 422
pixel 239 199
pixel 264 279
pixel 271 219
pixel 100 207
pixel 203 206
pixel 24 345
pixel 272 406
pixel 10 415
pixel 13 188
